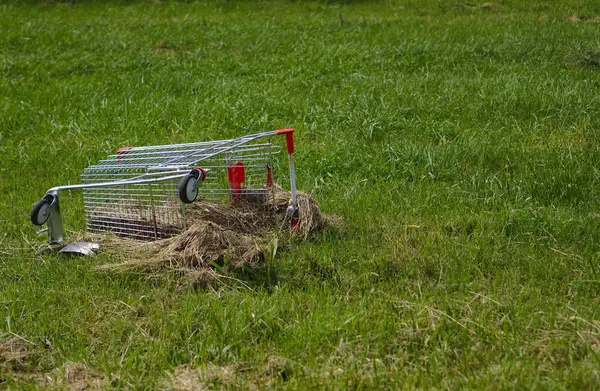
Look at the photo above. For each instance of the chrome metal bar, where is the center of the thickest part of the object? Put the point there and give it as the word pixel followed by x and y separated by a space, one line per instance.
pixel 115 183
pixel 55 226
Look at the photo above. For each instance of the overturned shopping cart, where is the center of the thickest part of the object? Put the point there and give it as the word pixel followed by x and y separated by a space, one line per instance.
pixel 143 192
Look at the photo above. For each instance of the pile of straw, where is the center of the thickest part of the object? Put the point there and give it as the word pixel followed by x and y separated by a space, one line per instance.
pixel 219 235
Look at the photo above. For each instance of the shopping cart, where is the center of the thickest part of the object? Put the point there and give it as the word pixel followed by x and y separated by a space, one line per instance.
pixel 143 192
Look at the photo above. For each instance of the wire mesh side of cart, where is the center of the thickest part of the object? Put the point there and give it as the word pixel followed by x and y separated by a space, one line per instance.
pixel 151 211
pixel 141 211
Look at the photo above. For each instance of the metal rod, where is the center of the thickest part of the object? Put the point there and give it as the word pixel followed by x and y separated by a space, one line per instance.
pixel 55 226
pixel 293 180
pixel 115 183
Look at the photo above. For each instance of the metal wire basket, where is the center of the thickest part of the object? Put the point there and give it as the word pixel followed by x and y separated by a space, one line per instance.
pixel 143 192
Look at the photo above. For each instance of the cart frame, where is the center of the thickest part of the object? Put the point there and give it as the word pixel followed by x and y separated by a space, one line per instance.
pixel 188 163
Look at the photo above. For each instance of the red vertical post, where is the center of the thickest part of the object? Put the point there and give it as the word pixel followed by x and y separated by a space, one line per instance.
pixel 236 176
pixel 269 177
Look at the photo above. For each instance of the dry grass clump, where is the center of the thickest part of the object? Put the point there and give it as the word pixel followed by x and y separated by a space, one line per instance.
pixel 482 6
pixel 196 247
pixel 227 236
pixel 13 352
pixel 311 218
pixel 577 19
pixel 71 377
pixel 186 378
pixel 78 377
pixel 211 376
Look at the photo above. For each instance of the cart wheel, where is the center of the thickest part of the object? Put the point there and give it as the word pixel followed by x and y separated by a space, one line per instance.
pixel 188 188
pixel 41 211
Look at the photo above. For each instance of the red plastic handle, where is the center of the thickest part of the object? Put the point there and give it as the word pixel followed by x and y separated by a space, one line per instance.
pixel 289 138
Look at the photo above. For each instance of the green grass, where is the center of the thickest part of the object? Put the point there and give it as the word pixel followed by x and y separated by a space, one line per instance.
pixel 459 145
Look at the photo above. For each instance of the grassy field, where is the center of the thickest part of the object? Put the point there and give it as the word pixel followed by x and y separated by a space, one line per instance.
pixel 458 143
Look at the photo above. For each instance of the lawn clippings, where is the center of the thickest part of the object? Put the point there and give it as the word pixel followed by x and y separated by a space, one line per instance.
pixel 219 237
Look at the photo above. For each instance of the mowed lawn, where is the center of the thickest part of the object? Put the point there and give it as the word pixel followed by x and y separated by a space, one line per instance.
pixel 458 143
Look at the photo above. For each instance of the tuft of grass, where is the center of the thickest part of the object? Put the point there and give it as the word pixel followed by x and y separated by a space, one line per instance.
pixel 459 146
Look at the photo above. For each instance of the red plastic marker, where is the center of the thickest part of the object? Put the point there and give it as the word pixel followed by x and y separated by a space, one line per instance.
pixel 121 152
pixel 236 176
pixel 269 177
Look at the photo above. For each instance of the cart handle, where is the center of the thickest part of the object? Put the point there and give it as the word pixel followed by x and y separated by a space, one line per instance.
pixel 289 138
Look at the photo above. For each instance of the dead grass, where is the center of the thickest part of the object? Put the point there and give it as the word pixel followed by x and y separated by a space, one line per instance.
pixel 164 50
pixel 488 5
pixel 15 356
pixel 13 353
pixel 71 377
pixel 208 377
pixel 219 236
pixel 577 19
pixel 77 377
pixel 211 376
